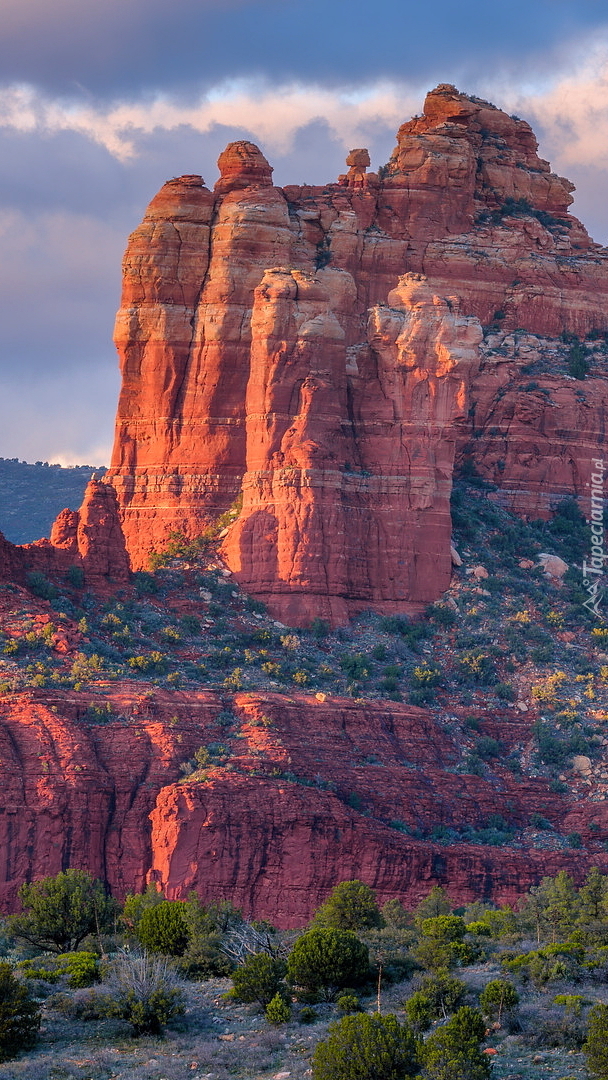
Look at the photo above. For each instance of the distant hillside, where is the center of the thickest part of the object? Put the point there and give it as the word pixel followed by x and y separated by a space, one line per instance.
pixel 31 496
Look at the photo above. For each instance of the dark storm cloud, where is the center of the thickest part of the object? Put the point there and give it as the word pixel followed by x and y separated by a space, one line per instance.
pixel 117 47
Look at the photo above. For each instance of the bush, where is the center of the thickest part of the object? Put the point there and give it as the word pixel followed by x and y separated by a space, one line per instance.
pixel 596 1045
pixel 136 903
pixel 452 1052
pixel 328 959
pixel 204 959
pixel 350 906
pixel 259 978
pixel 346 1004
pixel 19 1015
pixel 60 911
pixel 81 968
pixel 308 1015
pixel 419 1011
pixel 498 996
pixel 366 1047
pixel 278 1011
pixel 75 577
pixel 39 585
pixel 144 992
pixel 162 928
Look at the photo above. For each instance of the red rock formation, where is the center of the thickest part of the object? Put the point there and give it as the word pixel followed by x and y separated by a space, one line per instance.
pixel 229 380
pixel 90 538
pixel 106 797
pixel 331 483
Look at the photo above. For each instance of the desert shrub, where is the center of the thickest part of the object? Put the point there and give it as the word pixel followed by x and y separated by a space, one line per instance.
pixel 162 928
pixel 578 364
pixel 75 576
pixel 552 1027
pixel 327 959
pixel 278 1011
pixel 438 994
pixel 441 615
pixel 350 906
pixel 259 978
pixel 346 1004
pixel 308 1015
pixel 136 903
pixel 60 911
pixel 40 585
pixel 476 668
pixel 204 958
pixel 81 968
pixel 419 1011
pixel 596 1044
pixel 497 997
pixel 363 1047
pixel 143 991
pixel 395 915
pixel 487 748
pixel 19 1015
pixel 355 666
pixel 444 928
pixel 452 1052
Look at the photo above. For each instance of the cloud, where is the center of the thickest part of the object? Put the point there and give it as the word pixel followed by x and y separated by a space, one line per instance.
pixel 109 48
pixel 272 114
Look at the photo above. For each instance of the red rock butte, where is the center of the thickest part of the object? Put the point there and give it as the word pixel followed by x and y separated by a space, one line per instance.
pixel 317 351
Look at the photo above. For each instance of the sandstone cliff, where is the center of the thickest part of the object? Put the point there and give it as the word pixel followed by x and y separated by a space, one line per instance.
pixel 274 341
pixel 276 832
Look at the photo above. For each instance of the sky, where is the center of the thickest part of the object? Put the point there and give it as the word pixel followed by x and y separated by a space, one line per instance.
pixel 101 101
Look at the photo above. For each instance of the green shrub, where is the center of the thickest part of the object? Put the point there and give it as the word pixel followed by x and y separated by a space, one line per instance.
pixel 81 968
pixel 420 1011
pixel 497 997
pixel 444 992
pixel 259 978
pixel 452 1052
pixel 363 1047
pixel 351 905
pixel 136 903
pixel 444 928
pixel 346 1004
pixel 19 1015
pixel 596 1046
pixel 356 666
pixel 278 1011
pixel 75 577
pixel 60 911
pixel 308 1015
pixel 578 364
pixel 162 928
pixel 144 992
pixel 39 585
pixel 328 959
pixel 204 958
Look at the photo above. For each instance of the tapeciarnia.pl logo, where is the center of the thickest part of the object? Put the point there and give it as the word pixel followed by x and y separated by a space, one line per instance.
pixel 593 571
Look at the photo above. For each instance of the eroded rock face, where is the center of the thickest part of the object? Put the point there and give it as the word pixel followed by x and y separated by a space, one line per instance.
pixel 346 497
pixel 90 538
pixel 107 798
pixel 267 344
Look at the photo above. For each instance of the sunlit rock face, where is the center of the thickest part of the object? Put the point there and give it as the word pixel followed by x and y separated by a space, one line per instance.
pixel 316 349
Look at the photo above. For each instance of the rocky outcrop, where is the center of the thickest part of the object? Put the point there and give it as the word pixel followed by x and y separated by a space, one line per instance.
pixel 90 539
pixel 260 351
pixel 332 479
pixel 289 818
